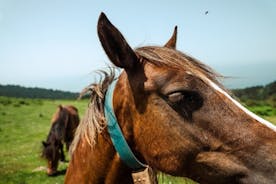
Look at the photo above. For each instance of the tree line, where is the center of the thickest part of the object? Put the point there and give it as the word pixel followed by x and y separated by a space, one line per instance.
pixel 267 92
pixel 24 92
pixel 259 93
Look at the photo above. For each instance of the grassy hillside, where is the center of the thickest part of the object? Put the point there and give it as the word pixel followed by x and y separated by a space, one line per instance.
pixel 24 123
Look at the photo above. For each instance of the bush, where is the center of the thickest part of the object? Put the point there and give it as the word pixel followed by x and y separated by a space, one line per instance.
pixel 264 110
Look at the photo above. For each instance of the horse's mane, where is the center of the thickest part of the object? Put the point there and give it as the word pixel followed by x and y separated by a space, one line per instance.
pixel 176 59
pixel 94 121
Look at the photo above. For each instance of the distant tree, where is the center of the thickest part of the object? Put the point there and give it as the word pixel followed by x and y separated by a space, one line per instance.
pixel 258 95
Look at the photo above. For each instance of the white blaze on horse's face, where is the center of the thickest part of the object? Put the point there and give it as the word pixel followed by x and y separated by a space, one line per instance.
pixel 251 114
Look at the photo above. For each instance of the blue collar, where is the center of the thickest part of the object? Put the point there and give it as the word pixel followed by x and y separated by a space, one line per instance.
pixel 116 134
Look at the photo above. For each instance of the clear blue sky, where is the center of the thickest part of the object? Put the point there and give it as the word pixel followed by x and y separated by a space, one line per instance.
pixel 54 44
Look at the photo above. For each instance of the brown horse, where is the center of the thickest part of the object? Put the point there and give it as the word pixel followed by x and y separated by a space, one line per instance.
pixel 176 118
pixel 64 124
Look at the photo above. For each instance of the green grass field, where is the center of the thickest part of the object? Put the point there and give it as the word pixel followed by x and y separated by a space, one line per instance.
pixel 24 123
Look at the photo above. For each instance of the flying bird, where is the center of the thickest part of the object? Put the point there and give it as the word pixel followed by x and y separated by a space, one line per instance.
pixel 206 12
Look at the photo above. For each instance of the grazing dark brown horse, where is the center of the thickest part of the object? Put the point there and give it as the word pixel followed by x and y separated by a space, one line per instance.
pixel 176 118
pixel 64 124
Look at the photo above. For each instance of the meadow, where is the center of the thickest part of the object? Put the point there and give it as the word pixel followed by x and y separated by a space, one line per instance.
pixel 24 123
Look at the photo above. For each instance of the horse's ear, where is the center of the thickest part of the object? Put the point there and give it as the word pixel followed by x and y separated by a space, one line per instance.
pixel 115 45
pixel 172 41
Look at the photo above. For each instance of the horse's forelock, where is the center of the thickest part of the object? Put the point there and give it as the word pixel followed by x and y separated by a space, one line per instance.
pixel 176 59
pixel 93 121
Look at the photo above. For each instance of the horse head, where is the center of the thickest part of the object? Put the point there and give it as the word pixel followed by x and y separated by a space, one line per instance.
pixel 180 120
pixel 52 154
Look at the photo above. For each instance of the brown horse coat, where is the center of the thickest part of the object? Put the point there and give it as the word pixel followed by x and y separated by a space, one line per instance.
pixel 175 116
pixel 63 126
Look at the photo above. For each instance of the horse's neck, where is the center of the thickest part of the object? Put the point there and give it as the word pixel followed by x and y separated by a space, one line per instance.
pixel 99 164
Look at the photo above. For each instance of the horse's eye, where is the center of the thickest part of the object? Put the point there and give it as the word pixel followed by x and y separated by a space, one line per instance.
pixel 185 102
pixel 175 97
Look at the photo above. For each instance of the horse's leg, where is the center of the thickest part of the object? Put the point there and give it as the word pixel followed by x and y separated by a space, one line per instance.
pixel 62 156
